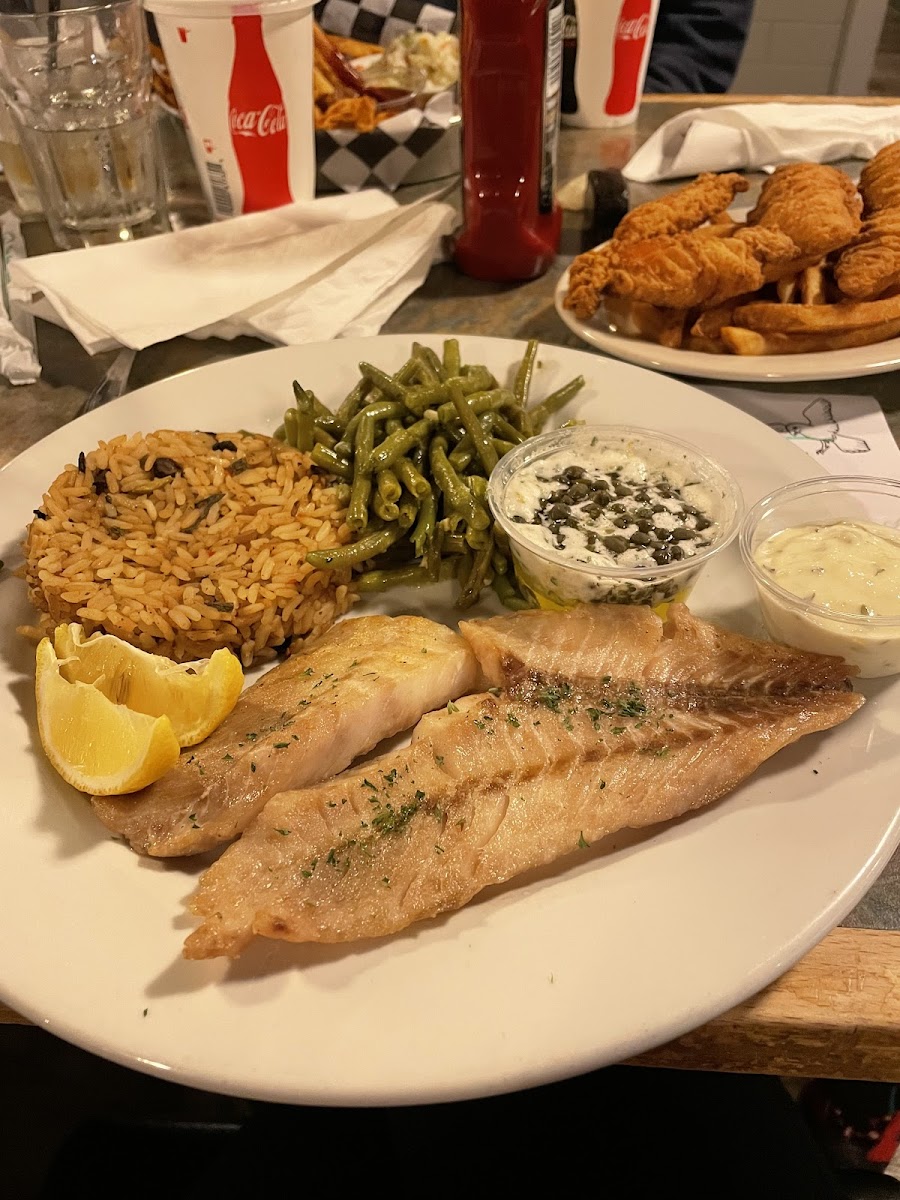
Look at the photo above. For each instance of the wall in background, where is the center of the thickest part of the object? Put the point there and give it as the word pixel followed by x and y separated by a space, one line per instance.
pixel 811 47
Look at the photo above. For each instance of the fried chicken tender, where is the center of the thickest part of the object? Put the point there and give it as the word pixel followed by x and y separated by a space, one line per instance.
pixel 817 206
pixel 680 272
pixel 879 180
pixel 871 264
pixel 685 208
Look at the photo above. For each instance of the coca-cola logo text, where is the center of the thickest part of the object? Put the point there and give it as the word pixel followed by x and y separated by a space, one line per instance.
pixel 258 122
pixel 633 29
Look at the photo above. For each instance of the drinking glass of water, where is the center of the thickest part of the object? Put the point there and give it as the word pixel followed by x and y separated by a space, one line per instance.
pixel 77 80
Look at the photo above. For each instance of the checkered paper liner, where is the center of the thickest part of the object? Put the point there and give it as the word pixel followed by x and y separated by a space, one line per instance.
pixel 348 161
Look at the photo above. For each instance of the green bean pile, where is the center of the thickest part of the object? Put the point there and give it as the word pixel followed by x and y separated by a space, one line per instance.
pixel 414 451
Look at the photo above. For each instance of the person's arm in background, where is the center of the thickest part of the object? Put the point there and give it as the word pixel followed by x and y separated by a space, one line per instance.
pixel 697 45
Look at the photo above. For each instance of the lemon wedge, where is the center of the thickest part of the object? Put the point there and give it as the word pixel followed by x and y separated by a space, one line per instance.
pixel 195 696
pixel 98 746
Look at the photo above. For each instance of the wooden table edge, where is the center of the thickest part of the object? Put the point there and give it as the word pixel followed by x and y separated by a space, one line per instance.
pixel 834 1015
pixel 708 99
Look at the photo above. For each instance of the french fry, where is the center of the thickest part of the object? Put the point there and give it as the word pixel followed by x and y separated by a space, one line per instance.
pixel 812 286
pixel 787 289
pixel 814 318
pixel 710 323
pixel 753 342
pixel 636 318
pixel 706 345
pixel 353 48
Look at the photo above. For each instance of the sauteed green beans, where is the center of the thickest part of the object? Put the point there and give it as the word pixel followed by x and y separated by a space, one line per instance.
pixel 413 450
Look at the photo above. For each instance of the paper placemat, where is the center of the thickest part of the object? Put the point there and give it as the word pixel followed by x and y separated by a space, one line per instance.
pixel 847 435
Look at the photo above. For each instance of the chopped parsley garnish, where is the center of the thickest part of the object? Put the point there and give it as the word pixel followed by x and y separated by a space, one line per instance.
pixel 582 843
pixel 452 708
pixel 513 720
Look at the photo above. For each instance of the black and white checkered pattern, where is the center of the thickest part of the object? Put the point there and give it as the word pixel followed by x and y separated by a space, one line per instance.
pixel 347 161
pixel 380 21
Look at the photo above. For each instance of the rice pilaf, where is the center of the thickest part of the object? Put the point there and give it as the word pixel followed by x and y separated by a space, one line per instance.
pixel 181 543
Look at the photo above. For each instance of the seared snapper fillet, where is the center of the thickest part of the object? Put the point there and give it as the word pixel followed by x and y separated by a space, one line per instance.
pixel 600 719
pixel 366 679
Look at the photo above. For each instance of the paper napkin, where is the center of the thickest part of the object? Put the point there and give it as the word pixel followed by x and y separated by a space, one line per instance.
pixel 752 136
pixel 304 272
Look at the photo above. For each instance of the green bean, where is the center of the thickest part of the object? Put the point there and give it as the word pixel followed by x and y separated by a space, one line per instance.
pixel 388 486
pixel 554 402
pixel 462 454
pixel 323 457
pixel 358 512
pixel 409 510
pixel 424 528
pixel 496 422
pixel 480 440
pixel 279 434
pixel 325 418
pixel 456 494
pixel 501 446
pixel 478 577
pixel 508 594
pixel 353 403
pixel 479 402
pixel 412 479
pixel 522 385
pixel 362 550
pixel 476 539
pixel 380 410
pixel 342 494
pixel 387 511
pixel 290 427
pixel 305 418
pixel 427 355
pixel 321 437
pixel 390 387
pixel 416 575
pixel 396 445
pixel 499 561
pixel 453 543
pixel 452 363
pixel 478 486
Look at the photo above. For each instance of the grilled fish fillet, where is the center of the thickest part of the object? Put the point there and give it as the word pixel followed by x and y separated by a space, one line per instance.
pixel 600 719
pixel 308 718
pixel 815 205
pixel 685 208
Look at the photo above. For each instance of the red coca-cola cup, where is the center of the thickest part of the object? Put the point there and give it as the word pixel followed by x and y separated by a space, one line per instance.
pixel 606 48
pixel 242 73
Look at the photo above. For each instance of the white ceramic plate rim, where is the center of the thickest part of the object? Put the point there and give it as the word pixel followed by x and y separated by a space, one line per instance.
pixel 830 364
pixel 530 983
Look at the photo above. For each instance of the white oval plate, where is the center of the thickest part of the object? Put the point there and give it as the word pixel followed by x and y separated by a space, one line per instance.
pixel 615 950
pixel 831 364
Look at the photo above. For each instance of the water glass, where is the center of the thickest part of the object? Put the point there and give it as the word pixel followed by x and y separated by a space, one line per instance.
pixel 78 84
pixel 16 170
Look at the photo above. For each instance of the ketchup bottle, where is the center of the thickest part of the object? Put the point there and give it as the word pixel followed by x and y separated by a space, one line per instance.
pixel 511 60
pixel 257 119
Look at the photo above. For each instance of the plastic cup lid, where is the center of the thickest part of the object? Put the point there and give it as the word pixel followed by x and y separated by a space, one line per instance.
pixel 226 8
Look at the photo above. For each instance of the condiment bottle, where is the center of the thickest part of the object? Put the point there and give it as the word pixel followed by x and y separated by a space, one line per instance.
pixel 511 59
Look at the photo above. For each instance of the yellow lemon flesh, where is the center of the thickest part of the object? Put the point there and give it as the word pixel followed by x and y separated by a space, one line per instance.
pixel 195 696
pixel 98 746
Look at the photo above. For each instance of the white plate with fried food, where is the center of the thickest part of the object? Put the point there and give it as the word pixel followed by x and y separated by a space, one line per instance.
pixel 611 950
pixel 808 287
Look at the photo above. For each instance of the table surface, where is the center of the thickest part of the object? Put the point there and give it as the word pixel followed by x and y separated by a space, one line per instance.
pixel 837 1013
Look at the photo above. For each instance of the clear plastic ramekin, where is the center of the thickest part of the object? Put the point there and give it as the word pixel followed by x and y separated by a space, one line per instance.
pixel 553 579
pixel 870 642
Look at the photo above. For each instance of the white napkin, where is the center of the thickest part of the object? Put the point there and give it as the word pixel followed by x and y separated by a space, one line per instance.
pixel 762 135
pixel 304 272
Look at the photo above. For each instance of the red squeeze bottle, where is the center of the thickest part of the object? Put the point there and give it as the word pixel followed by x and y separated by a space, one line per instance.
pixel 511 69
pixel 257 119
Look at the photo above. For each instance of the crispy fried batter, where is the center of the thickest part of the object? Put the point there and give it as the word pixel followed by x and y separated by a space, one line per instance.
pixel 817 318
pixel 817 206
pixel 684 209
pixel 753 342
pixel 879 180
pixel 679 272
pixel 871 264
pixel 353 112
